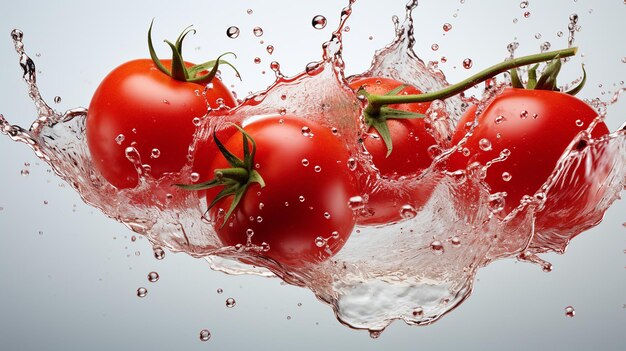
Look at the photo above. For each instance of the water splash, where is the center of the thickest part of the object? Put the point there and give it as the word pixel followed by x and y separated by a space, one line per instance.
pixel 416 270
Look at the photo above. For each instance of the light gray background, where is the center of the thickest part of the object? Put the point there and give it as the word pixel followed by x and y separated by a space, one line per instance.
pixel 73 286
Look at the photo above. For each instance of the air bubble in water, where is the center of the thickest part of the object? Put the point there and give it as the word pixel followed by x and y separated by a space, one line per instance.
pixel 205 335
pixel 230 302
pixel 319 22
pixel 455 241
pixel 153 277
pixel 570 312
pixel 436 247
pixel 232 32
pixel 258 31
pixel 142 292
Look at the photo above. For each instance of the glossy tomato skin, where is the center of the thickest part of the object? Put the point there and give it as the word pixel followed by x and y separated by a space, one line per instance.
pixel 307 189
pixel 536 126
pixel 410 155
pixel 137 105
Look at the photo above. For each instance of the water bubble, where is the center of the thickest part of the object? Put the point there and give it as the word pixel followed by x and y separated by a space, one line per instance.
pixel 537 35
pixel 257 60
pixel 523 4
pixel 258 31
pixel 249 11
pixel 570 312
pixel 319 22
pixel 320 242
pixel 288 318
pixel 153 277
pixel 317 169
pixel 523 114
pixel 194 177
pixel 270 49
pixel 17 34
pixel 418 312
pixel 57 99
pixel 311 67
pixel 455 241
pixel 545 46
pixel 230 302
pixel 500 119
pixel 155 153
pixel 301 198
pixel 506 176
pixel 436 247
pixel 306 131
pixel 326 215
pixel 579 123
pixel 484 144
pixel 407 212
pixel 352 164
pixel 119 138
pixel 232 32
pixel 24 172
pixel 142 292
pixel 467 63
pixel 559 34
pixel 159 253
pixel 305 162
pixel 196 121
pixel 447 27
pixel 205 335
pixel 434 47
pixel 526 14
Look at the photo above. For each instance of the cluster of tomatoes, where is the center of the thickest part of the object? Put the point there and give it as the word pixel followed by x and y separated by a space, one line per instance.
pixel 285 185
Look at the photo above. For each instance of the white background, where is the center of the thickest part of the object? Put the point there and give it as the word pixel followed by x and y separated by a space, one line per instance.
pixel 73 286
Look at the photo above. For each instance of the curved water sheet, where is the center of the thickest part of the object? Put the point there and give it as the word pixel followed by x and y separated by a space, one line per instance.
pixel 415 270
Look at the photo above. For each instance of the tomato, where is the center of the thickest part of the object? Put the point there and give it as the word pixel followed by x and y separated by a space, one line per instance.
pixel 409 156
pixel 536 127
pixel 301 215
pixel 138 106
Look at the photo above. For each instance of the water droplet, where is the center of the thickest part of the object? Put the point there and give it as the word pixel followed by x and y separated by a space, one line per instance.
pixel 270 49
pixel 305 162
pixel 496 202
pixel 467 63
pixel 537 35
pixel 230 302
pixel 288 318
pixel 205 335
pixel 559 34
pixel 407 212
pixel 119 139
pixel 194 177
pixel 319 22
pixel 301 198
pixel 24 172
pixel 352 164
pixel 258 31
pixel 484 144
pixel 317 169
pixel 220 290
pixel 142 292
pixel 447 27
pixel 523 4
pixel 418 312
pixel 17 34
pixel 455 241
pixel 57 99
pixel 526 14
pixel 249 11
pixel 506 176
pixel 257 60
pixel 153 277
pixel 375 334
pixel 435 47
pixel 569 311
pixel 500 119
pixel 232 32
pixel 41 232
pixel 320 242
pixel 326 215
pixel 306 131
pixel 545 46
pixel 436 247
pixel 356 203
pixel 523 114
pixel 155 153
pixel 196 121
pixel 579 123
pixel 311 67
pixel 159 253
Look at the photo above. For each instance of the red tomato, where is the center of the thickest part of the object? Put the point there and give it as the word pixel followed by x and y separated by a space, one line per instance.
pixel 536 126
pixel 302 213
pixel 409 156
pixel 138 106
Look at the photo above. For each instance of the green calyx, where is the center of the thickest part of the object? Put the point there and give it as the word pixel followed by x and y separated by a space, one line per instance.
pixel 378 120
pixel 235 180
pixel 547 80
pixel 179 70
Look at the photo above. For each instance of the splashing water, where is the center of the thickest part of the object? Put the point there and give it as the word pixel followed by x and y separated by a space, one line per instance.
pixel 416 270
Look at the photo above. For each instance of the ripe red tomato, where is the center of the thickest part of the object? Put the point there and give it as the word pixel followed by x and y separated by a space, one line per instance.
pixel 301 215
pixel 409 156
pixel 138 106
pixel 536 126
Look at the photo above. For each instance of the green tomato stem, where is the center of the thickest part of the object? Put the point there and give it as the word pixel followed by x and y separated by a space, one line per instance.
pixel 375 102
